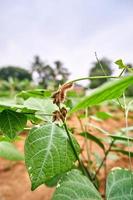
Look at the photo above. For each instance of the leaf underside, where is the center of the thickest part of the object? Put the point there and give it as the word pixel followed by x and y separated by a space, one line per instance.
pixel 48 153
pixel 11 123
pixel 41 106
pixel 75 186
pixel 119 185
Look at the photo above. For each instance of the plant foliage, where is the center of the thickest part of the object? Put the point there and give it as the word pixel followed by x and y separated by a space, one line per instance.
pixel 119 185
pixel 108 91
pixel 48 153
pixel 52 153
pixel 74 185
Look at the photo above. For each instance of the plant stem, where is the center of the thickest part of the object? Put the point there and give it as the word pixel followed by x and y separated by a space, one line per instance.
pixel 88 145
pixel 85 172
pixel 27 129
pixel 44 114
pixel 121 106
pixel 126 110
pixel 81 125
pixel 104 159
pixel 122 72
pixel 91 77
pixel 100 64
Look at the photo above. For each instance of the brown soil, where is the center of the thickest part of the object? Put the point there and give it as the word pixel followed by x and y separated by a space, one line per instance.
pixel 15 184
pixel 14 180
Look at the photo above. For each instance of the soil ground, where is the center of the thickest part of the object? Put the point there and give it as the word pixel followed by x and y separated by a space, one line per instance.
pixel 14 180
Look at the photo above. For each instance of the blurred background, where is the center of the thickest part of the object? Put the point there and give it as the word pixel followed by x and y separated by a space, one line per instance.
pixel 67 31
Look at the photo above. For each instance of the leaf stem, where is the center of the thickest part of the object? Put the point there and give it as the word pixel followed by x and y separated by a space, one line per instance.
pixel 100 64
pixel 122 72
pixel 85 172
pixel 126 110
pixel 91 77
pixel 27 129
pixel 44 114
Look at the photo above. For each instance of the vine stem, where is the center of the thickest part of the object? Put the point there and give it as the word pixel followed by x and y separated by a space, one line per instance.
pixel 122 72
pixel 100 64
pixel 126 132
pixel 75 152
pixel 104 159
pixel 84 170
pixel 27 129
pixel 91 77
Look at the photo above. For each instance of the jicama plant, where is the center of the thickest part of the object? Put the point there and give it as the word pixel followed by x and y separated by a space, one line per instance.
pixel 52 153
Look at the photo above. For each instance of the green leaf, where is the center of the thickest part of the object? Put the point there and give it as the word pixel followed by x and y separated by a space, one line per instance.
pixel 38 93
pixel 9 104
pixel 48 153
pixel 39 104
pixel 53 181
pixel 93 138
pixel 120 64
pixel 108 91
pixel 75 186
pixel 7 139
pixel 103 115
pixel 43 107
pixel 124 152
pixel 9 152
pixel 121 138
pixel 11 123
pixel 119 185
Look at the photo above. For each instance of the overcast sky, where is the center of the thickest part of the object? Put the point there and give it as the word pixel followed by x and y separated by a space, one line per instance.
pixel 66 30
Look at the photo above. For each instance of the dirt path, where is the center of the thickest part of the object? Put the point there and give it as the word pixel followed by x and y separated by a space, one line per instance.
pixel 15 184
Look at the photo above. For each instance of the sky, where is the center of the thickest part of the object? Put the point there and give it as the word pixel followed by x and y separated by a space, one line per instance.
pixel 67 30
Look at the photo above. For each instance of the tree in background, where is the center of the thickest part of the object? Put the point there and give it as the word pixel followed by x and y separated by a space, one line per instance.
pixel 15 73
pixel 49 77
pixel 100 68
pixel 13 85
pixel 129 90
pixel 61 73
pixel 13 79
pixel 44 72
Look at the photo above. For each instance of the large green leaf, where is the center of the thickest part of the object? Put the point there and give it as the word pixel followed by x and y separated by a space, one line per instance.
pixel 108 91
pixel 48 153
pixel 43 107
pixel 9 151
pixel 11 123
pixel 75 186
pixel 119 185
